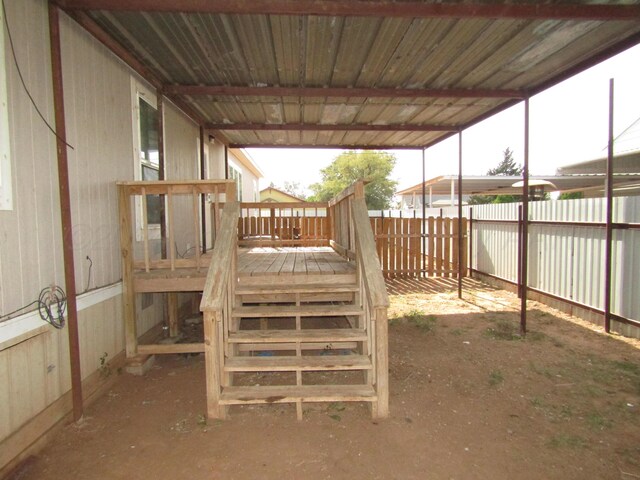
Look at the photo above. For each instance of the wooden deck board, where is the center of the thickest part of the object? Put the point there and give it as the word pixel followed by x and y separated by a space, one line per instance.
pixel 291 261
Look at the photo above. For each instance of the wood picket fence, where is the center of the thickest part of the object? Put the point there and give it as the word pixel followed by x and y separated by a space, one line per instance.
pixel 404 251
pixel 402 247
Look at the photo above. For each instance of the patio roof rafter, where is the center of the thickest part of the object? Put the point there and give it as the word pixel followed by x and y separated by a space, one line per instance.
pixel 368 8
pixel 304 127
pixel 323 92
pixel 326 146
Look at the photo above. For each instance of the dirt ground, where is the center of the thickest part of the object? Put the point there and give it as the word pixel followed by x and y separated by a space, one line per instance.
pixel 469 399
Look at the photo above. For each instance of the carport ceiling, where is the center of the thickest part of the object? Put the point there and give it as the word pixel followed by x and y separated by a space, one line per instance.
pixel 354 73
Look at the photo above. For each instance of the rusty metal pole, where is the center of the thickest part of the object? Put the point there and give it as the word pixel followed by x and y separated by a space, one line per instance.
pixel 519 279
pixel 609 238
pixel 460 233
pixel 424 213
pixel 203 202
pixel 470 242
pixel 65 212
pixel 524 244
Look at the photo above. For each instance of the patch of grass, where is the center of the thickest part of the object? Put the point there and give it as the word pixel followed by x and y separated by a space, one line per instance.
pixel 566 441
pixel 495 378
pixel 626 366
pixel 503 330
pixel 423 322
pixel 457 332
pixel 596 421
pixel 536 402
pixel 535 336
pixel 394 321
pixel 541 370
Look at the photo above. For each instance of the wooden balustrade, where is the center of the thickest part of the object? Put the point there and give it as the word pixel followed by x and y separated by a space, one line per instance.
pixel 283 224
pixel 218 298
pixel 142 251
pixel 353 238
pixel 179 200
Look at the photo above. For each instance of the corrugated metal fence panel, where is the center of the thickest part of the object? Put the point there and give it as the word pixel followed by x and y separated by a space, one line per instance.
pixel 499 242
pixel 566 261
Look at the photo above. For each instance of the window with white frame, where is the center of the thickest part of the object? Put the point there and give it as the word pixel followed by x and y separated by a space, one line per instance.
pixel 146 151
pixel 236 175
pixel 6 194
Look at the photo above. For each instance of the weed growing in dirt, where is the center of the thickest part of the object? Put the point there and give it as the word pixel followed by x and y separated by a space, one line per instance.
pixel 598 422
pixel 503 330
pixel 423 322
pixel 495 378
pixel 105 367
pixel 564 441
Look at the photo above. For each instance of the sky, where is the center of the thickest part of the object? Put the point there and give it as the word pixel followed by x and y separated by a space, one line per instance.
pixel 568 124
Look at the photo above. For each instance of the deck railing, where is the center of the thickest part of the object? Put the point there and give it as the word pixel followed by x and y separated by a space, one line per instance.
pixel 353 238
pixel 167 224
pixel 283 224
pixel 218 299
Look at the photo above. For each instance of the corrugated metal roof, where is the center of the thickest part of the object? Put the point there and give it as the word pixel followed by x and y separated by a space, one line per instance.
pixel 251 50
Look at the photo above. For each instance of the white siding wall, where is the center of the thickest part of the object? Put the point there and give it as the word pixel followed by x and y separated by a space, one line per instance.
pixel 35 372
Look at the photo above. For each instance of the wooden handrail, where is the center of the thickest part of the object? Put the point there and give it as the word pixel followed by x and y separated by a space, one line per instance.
pixel 224 252
pixel 158 187
pixel 367 255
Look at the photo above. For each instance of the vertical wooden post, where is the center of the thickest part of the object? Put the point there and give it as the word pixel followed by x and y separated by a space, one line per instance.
pixel 172 307
pixel 161 172
pixel 381 409
pixel 128 293
pixel 609 219
pixel 171 246
pixel 145 229
pixel 212 348
pixel 196 226
pixel 65 211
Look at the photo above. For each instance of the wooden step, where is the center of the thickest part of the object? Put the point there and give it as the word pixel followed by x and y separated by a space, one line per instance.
pixel 324 335
pixel 293 311
pixel 293 393
pixel 271 288
pixel 313 363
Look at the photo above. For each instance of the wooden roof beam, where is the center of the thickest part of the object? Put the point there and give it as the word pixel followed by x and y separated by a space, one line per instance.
pixel 370 8
pixel 305 127
pixel 236 91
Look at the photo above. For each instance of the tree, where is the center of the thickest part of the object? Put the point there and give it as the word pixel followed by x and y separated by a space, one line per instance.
pixel 350 166
pixel 570 195
pixel 294 188
pixel 507 167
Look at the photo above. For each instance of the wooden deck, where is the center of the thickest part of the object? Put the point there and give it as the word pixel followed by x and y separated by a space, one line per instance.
pixel 287 261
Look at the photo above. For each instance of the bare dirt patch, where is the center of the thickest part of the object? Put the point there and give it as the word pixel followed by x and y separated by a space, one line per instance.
pixel 469 399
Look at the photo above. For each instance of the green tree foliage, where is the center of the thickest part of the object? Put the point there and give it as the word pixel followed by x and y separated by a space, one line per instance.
pixel 350 166
pixel 570 195
pixel 294 188
pixel 507 167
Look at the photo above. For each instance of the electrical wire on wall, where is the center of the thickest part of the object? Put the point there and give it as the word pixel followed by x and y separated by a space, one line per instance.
pixel 24 83
pixel 52 305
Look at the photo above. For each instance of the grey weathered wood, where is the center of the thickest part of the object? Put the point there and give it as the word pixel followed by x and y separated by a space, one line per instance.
pixel 293 393
pixel 324 335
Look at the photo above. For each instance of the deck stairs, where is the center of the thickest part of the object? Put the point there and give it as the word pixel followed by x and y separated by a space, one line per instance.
pixel 293 342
